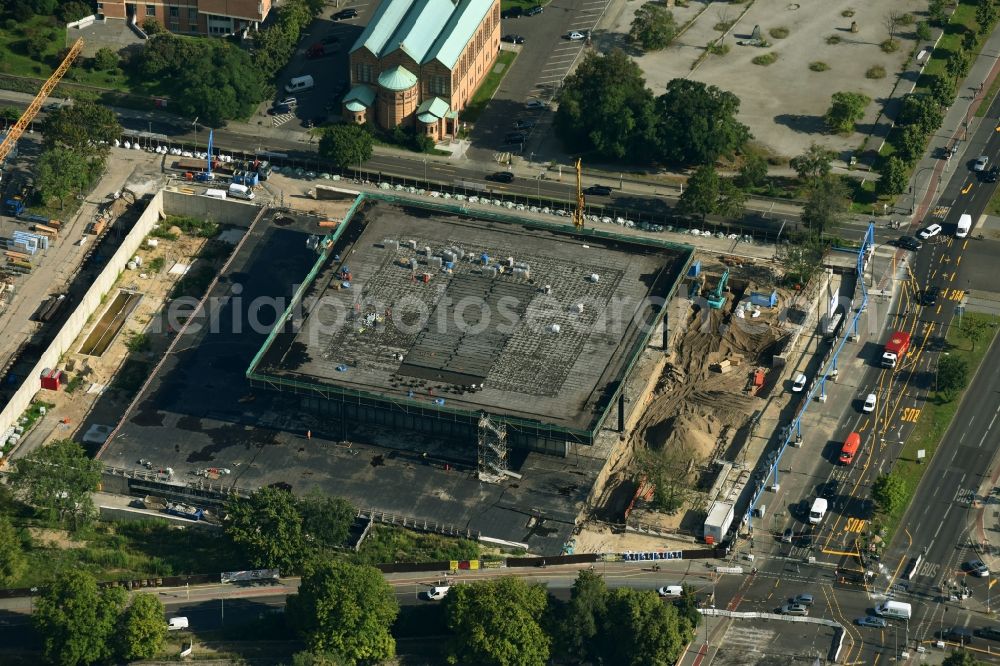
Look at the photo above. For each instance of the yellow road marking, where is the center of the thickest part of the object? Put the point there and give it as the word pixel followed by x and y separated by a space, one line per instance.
pixel 959 259
pixel 967 188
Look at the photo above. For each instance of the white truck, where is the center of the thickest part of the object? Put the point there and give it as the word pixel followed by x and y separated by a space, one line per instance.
pixel 964 226
pixel 215 194
pixel 238 191
pixel 817 511
pixel 718 521
pixel 895 609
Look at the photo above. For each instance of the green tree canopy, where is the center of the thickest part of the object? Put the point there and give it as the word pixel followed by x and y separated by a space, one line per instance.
pixel 986 16
pixel 82 127
pixel 12 561
pixel 105 59
pixel 952 375
pixel 701 193
pixel 921 110
pixel 893 176
pixel 958 64
pixel 961 658
pixel 267 526
pixel 76 621
pixel 326 520
pixel 346 609
pixel 638 629
pixel 311 658
pixel 58 478
pixel 496 623
pixel 732 200
pixel 801 261
pixel 61 172
pixel 605 107
pixel 813 164
pixel 697 123
pixel 826 204
pixel 846 109
pixel 974 329
pixel 889 492
pixel 575 629
pixel 653 27
pixel 143 630
pixel 753 171
pixel 346 144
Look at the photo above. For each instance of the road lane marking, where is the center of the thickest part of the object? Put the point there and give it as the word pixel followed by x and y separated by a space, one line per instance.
pixel 959 260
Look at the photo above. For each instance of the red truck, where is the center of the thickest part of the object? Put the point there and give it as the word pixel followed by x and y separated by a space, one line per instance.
pixel 895 349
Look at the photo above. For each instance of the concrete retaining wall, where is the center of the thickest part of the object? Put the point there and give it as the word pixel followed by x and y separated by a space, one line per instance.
pixel 224 211
pixel 76 322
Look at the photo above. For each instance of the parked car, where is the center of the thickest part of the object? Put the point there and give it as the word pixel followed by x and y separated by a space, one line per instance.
pixel 501 177
pixel 523 124
pixel 977 568
pixel 289 101
pixel 872 621
pixel 534 11
pixel 929 231
pixel 512 39
pixel 991 175
pixel 536 104
pixel 575 36
pixel 799 383
pixel 870 402
pixel 930 295
pixel 793 609
pixel 177 623
pixel 672 591
pixel 348 13
pixel 330 39
pixel 787 535
pixel 829 489
pixel 962 635
pixel 513 12
pixel 598 190
pixel 804 599
pixel 909 243
pixel 992 633
pixel 279 109
pixel 981 162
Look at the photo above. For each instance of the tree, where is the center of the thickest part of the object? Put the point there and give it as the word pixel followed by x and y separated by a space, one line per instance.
pixel 952 375
pixel 346 145
pixel 311 658
pixel 753 171
pixel 12 560
pixel 142 631
pixel 910 141
pixel 973 329
pixel 653 27
pixel 58 478
pixel 892 177
pixel 638 629
pixel 732 200
pixel 700 193
pixel 86 128
pixel 326 520
pixel 76 621
pixel 846 109
pixel 923 31
pixel 605 107
pixel 60 173
pixel 937 12
pixel 961 658
pixel 986 16
pixel 922 111
pixel 346 609
pixel 105 59
pixel 576 628
pixel 496 622
pixel 9 114
pixel 151 26
pixel 74 10
pixel 813 164
pixel 801 261
pixel 667 469
pixel 889 492
pixel 957 65
pixel 267 526
pixel 697 123
pixel 891 22
pixel 826 204
pixel 943 91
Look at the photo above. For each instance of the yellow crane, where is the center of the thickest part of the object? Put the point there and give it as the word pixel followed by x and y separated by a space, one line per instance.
pixel 29 114
pixel 578 213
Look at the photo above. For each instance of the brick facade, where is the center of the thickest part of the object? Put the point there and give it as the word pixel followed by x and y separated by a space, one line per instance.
pixel 198 17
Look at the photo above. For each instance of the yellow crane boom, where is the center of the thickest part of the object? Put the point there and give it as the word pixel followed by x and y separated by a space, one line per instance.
pixel 578 213
pixel 29 114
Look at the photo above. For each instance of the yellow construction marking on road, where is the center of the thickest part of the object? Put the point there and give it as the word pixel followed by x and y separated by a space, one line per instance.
pixel 959 259
pixel 901 559
pixel 856 525
pixel 864 426
pixel 895 407
pixel 877 654
pixel 993 581
pixel 938 309
pixel 967 188
pixel 933 273
pixel 849 631
pixel 965 243
pixel 957 294
pixel 953 274
pixel 910 415
pixel 844 553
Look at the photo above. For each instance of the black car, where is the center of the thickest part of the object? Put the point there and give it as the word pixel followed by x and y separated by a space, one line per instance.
pixel 962 635
pixel 348 13
pixel 992 633
pixel 518 136
pixel 598 190
pixel 523 124
pixel 513 12
pixel 909 243
pixel 537 9
pixel 330 39
pixel 501 177
pixel 930 295
pixel 513 39
pixel 280 108
pixel 830 488
pixel 992 175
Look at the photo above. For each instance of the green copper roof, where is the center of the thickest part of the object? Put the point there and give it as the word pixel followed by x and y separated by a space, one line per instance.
pixel 397 79
pixel 434 108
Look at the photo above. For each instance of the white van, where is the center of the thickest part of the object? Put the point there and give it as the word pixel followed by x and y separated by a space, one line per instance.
pixel 238 191
pixel 817 511
pixel 177 623
pixel 964 226
pixel 215 194
pixel 895 609
pixel 300 84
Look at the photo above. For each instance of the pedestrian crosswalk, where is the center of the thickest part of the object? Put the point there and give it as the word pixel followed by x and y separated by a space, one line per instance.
pixel 281 119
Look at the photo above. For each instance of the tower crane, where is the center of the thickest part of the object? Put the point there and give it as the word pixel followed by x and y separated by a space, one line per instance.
pixel 15 132
pixel 578 213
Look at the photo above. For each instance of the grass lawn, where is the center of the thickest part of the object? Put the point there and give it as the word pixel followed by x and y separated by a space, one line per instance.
pixel 963 19
pixel 523 4
pixel 993 208
pixel 385 544
pixel 934 418
pixel 489 86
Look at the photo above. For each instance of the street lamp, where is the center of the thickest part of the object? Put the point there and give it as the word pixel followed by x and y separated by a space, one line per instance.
pixel 195 123
pixel 425 171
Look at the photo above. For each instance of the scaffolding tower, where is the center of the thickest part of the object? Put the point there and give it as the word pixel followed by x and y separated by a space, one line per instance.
pixel 492 456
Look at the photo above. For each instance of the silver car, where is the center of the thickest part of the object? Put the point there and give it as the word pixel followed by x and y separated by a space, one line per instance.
pixel 872 621
pixel 793 609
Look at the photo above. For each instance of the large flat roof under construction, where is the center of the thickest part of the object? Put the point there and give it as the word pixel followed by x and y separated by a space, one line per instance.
pixel 532 323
